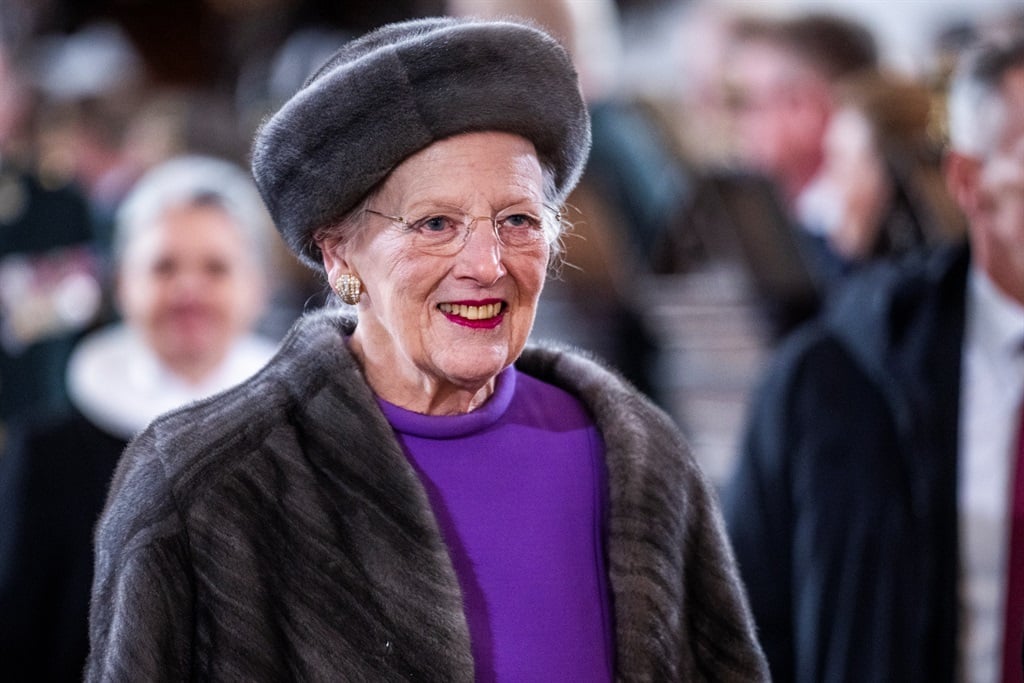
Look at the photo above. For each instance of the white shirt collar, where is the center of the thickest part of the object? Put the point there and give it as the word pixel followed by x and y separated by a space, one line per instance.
pixel 992 382
pixel 997 321
pixel 119 384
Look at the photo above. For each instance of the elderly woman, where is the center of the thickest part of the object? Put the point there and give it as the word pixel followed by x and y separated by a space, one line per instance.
pixel 408 494
pixel 190 285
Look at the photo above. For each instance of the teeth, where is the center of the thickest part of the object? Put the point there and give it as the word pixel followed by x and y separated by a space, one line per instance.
pixel 471 312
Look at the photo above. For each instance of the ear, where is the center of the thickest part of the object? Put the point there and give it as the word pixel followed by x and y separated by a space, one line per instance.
pixel 335 252
pixel 963 180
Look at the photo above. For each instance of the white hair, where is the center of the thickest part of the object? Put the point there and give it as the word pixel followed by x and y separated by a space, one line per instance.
pixel 978 111
pixel 195 180
pixel 977 115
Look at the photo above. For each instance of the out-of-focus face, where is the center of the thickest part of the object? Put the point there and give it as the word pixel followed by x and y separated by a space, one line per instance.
pixel 191 285
pixel 780 110
pixel 856 172
pixel 435 329
pixel 992 196
pixel 1002 177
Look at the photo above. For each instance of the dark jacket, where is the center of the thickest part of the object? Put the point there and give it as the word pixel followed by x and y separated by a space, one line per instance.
pixel 842 510
pixel 278 532
pixel 54 474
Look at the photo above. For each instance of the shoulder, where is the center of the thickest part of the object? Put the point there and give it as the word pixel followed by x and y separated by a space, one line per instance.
pixel 536 399
pixel 892 290
pixel 876 313
pixel 194 445
pixel 601 389
pixel 805 353
pixel 639 436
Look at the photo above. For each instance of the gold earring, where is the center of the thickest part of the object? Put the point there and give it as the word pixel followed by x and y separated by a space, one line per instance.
pixel 349 288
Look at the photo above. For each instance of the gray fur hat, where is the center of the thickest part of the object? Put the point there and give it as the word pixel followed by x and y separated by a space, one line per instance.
pixel 393 92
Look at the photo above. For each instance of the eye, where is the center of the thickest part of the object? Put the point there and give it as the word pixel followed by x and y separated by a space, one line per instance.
pixel 434 224
pixel 519 221
pixel 164 267
pixel 216 268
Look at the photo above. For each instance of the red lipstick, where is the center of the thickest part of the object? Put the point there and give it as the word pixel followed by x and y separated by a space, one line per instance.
pixel 486 314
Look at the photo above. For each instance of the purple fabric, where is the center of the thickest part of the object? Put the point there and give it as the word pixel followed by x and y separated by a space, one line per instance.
pixel 518 487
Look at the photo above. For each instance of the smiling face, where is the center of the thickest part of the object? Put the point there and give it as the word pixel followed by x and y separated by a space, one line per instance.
pixel 191 286
pixel 435 329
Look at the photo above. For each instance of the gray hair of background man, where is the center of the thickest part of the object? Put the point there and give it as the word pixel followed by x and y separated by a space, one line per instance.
pixel 977 108
pixel 196 181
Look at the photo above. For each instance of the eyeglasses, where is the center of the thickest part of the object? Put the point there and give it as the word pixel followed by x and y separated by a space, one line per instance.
pixel 444 232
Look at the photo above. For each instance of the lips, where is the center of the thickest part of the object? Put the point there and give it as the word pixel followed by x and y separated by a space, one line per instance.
pixel 485 314
pixel 189 315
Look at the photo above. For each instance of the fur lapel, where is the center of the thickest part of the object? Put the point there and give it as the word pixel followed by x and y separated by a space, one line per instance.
pixel 382 507
pixel 680 612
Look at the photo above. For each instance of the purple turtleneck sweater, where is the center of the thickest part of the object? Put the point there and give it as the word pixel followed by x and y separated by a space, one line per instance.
pixel 518 487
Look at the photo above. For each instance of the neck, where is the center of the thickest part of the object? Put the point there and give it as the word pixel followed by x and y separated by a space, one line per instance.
pixel 418 392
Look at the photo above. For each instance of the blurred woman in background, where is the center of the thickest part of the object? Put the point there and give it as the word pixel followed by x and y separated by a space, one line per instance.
pixel 190 285
pixel 881 191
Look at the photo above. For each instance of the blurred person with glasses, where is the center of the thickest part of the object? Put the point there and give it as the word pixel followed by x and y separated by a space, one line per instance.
pixel 409 491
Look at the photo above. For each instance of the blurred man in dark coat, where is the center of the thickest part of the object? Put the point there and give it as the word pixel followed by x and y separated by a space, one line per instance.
pixel 870 510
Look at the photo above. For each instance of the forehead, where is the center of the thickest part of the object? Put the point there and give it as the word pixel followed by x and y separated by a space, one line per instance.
pixel 190 226
pixel 471 164
pixel 759 61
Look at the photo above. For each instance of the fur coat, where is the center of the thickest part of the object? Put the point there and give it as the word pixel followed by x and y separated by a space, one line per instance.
pixel 278 532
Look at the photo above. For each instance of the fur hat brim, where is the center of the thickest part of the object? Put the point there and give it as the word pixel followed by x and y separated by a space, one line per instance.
pixel 387 95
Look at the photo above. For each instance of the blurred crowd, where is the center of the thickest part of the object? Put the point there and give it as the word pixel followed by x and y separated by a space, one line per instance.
pixel 721 207
pixel 779 153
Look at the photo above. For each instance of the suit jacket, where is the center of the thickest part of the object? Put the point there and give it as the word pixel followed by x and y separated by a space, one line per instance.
pixel 278 532
pixel 843 509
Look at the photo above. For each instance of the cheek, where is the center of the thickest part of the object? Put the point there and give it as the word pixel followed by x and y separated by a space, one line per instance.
pixel 1002 194
pixel 762 131
pixel 224 289
pixel 139 299
pixel 238 302
pixel 530 272
pixel 406 281
pixel 1010 214
pixel 397 290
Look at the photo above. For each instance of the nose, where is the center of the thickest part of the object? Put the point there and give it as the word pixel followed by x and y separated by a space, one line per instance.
pixel 188 284
pixel 481 255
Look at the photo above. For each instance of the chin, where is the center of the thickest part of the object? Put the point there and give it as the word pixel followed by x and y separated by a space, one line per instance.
pixel 476 371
